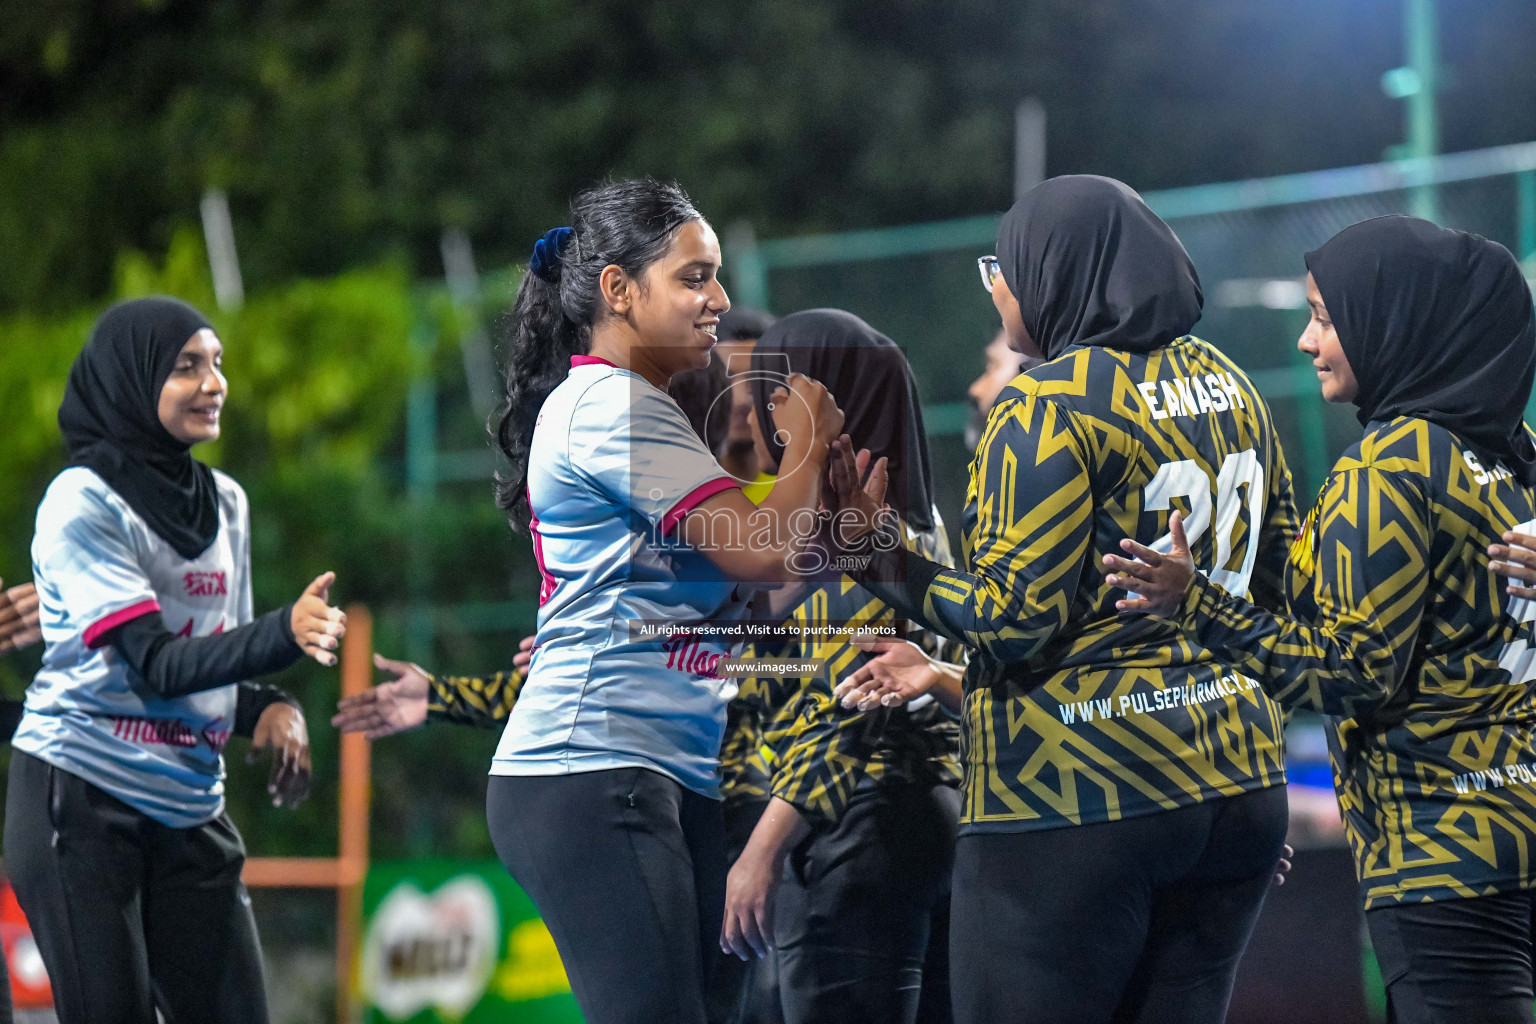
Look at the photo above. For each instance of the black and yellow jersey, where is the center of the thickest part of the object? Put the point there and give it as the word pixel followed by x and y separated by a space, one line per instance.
pixel 1419 656
pixel 486 701
pixel 817 752
pixel 744 774
pixel 1073 713
pixel 474 700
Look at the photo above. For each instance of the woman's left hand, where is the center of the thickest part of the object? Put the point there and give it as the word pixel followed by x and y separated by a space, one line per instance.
pixel 1156 582
pixel 1518 565
pixel 854 491
pixel 282 727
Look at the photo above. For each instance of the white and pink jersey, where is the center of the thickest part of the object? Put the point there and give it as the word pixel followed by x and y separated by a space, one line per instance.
pixel 97 565
pixel 615 466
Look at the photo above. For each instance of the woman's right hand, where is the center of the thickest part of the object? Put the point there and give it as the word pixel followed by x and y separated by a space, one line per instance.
pixel 317 627
pixel 396 706
pixel 806 412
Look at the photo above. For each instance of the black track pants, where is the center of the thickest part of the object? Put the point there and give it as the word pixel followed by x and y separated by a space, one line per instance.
pixel 1141 920
pixel 130 914
pixel 627 869
pixel 1453 961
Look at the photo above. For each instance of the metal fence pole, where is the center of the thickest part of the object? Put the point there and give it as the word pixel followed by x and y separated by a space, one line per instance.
pixel 420 485
pixel 1421 31
pixel 744 261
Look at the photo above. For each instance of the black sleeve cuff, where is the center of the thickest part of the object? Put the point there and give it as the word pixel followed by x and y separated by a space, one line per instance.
pixel 255 698
pixel 898 577
pixel 285 617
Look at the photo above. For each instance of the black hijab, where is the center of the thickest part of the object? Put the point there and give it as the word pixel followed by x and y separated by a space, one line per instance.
pixel 1091 264
pixel 868 375
pixel 110 419
pixel 1436 324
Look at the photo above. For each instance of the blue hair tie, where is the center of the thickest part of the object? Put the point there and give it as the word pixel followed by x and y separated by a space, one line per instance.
pixel 546 254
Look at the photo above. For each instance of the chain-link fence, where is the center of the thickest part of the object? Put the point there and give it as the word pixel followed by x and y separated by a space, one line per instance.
pixel 918 283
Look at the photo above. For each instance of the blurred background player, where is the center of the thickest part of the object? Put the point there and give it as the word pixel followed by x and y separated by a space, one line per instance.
pixel 1002 365
pixel 740 329
pixel 846 874
pixel 1396 631
pixel 1124 808
pixel 718 404
pixel 116 839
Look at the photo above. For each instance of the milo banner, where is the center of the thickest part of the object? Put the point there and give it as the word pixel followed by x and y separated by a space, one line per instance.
pixel 459 942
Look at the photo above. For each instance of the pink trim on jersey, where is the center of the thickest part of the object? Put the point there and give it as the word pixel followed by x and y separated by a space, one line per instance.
pixel 692 500
pixel 590 360
pixel 547 582
pixel 94 632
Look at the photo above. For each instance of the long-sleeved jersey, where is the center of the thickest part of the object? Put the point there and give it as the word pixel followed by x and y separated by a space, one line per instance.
pixel 744 774
pixel 1419 656
pixel 484 701
pixel 817 752
pixel 1073 713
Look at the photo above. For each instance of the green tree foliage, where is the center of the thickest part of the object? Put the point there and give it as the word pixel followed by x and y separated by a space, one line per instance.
pixel 346 130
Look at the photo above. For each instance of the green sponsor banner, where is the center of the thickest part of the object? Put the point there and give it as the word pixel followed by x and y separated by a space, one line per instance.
pixel 456 942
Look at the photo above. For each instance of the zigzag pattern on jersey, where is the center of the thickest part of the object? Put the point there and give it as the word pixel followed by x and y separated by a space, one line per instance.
pixel 744 773
pixel 816 751
pixel 475 700
pixel 1074 714
pixel 1434 756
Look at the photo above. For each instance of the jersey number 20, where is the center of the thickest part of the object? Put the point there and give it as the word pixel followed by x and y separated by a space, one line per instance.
pixel 1186 479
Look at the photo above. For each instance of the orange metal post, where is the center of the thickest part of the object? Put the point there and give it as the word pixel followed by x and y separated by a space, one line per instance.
pixel 352 863
pixel 344 872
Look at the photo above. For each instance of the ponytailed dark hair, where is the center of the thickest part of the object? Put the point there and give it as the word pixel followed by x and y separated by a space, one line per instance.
pixel 630 224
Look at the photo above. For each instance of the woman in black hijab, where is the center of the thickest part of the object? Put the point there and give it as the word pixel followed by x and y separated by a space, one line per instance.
pixel 868 371
pixel 1396 630
pixel 863 805
pixel 1124 807
pixel 116 837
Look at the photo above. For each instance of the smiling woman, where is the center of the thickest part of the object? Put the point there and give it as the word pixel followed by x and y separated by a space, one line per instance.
pixel 610 757
pixel 1391 626
pixel 193 395
pixel 116 798
pixel 1321 342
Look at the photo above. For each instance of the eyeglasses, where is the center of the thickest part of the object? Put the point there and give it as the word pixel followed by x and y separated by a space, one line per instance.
pixel 989 271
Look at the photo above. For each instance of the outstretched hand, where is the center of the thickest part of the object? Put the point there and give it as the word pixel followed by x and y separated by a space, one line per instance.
pixel 402 703
pixel 391 707
pixel 898 674
pixel 19 624
pixel 1156 582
